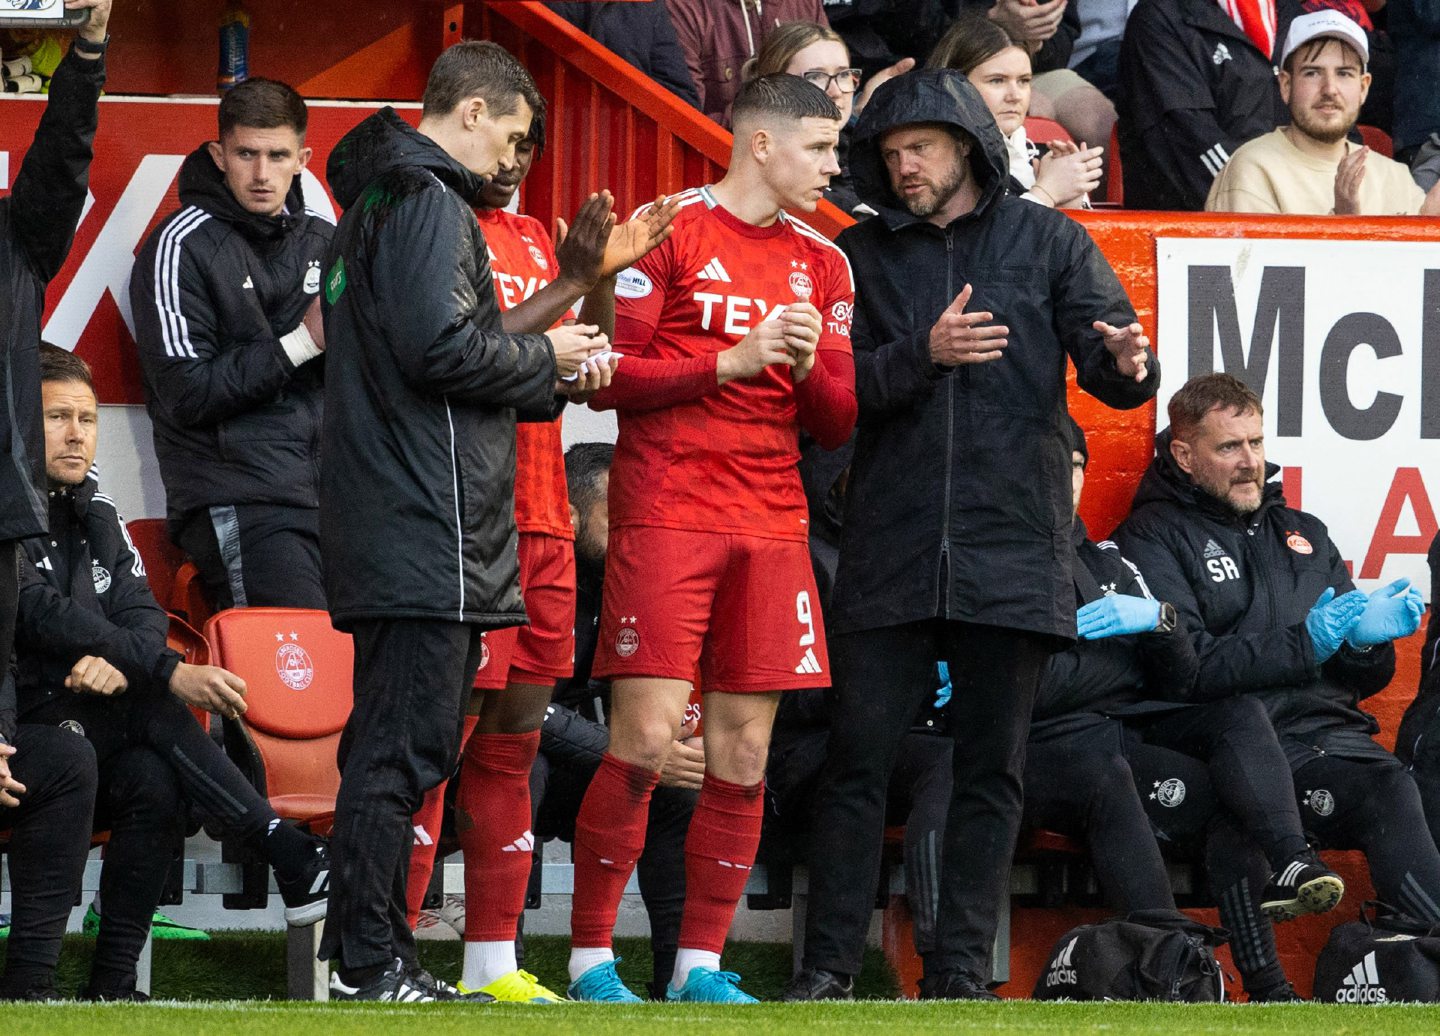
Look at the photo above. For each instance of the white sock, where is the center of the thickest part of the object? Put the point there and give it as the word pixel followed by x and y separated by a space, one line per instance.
pixel 487 961
pixel 583 958
pixel 685 959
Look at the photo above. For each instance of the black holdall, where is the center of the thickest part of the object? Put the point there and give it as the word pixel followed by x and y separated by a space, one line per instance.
pixel 1145 955
pixel 1385 956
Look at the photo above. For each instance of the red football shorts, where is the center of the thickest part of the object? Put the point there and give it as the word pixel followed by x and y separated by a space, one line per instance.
pixel 744 607
pixel 543 651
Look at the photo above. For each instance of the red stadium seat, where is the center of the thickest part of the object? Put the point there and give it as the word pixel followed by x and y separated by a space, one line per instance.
pixel 1042 131
pixel 191 645
pixel 1377 140
pixel 1115 189
pixel 190 599
pixel 297 671
pixel 162 558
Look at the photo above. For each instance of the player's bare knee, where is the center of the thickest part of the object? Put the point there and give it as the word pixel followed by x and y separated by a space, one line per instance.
pixel 642 740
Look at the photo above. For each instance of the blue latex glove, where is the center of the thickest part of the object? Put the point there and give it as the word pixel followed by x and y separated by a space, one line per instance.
pixel 1116 616
pixel 942 696
pixel 1332 618
pixel 1391 612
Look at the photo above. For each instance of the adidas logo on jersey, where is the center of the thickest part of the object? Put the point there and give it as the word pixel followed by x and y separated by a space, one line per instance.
pixel 524 844
pixel 1362 985
pixel 809 664
pixel 1062 972
pixel 1213 549
pixel 713 271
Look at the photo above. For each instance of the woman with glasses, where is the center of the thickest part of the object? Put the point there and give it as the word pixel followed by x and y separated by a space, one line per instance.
pixel 818 55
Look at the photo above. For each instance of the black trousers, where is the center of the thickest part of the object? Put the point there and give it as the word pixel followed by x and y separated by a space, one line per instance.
pixel 412 683
pixel 1374 805
pixel 882 680
pixel 556 791
pixel 9 598
pixel 253 555
pixel 49 838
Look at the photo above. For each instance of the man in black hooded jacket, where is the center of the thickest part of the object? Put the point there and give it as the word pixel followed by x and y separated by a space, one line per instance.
pixel 417 520
pixel 957 512
pixel 1418 743
pixel 226 298
pixel 1274 615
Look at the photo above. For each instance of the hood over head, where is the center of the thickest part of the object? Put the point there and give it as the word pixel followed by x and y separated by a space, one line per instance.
pixel 383 142
pixel 203 185
pixel 932 95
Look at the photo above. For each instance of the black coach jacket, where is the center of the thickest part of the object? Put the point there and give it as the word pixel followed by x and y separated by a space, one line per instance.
pixel 417 498
pixel 1193 88
pixel 37 224
pixel 212 292
pixel 1243 587
pixel 959 502
pixel 1419 736
pixel 83 592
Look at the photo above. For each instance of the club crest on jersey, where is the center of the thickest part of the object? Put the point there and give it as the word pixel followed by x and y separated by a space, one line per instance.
pixel 73 726
pixel 100 576
pixel 312 277
pixel 627 641
pixel 484 652
pixel 1321 801
pixel 293 663
pixel 539 258
pixel 1169 792
pixel 632 284
pixel 802 287
pixel 1299 544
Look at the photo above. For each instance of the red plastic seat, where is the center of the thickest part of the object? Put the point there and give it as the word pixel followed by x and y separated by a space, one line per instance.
pixel 1377 140
pixel 162 559
pixel 298 672
pixel 191 601
pixel 1042 131
pixel 1115 188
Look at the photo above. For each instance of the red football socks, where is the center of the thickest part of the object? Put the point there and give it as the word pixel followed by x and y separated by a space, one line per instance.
pixel 719 852
pixel 426 823
pixel 609 838
pixel 492 821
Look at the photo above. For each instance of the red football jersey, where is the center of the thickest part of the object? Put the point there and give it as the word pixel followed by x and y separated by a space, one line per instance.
pixel 725 462
pixel 522 261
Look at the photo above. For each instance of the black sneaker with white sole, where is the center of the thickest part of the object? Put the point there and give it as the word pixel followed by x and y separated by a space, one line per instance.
pixel 307 892
pixel 395 985
pixel 1302 886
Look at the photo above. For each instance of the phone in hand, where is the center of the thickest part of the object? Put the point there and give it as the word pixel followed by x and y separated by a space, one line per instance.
pixel 40 14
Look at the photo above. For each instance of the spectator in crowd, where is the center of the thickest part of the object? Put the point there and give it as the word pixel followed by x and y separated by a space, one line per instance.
pixel 574 736
pixel 519 666
pixel 958 493
pixel 1415 29
pixel 817 54
pixel 37 224
pixel 707 565
pixel 640 32
pixel 1273 614
pixel 1416 744
pixel 1310 167
pixel 999 69
pixel 226 297
pixel 1214 775
pixel 719 36
pixel 94 662
pixel 416 495
pixel 1095 56
pixel 1196 82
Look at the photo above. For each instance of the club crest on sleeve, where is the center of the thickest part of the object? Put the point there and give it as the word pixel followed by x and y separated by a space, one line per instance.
pixel 1299 544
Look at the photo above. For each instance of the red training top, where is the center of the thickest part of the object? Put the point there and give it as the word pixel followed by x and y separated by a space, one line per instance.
pixel 693 454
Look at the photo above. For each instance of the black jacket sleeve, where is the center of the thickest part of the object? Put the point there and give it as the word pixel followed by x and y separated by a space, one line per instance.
pixel 428 310
pixel 1055 52
pixel 49 191
pixel 8 704
pixel 567 736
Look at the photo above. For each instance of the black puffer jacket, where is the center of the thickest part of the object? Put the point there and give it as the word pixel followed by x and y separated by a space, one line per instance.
pixel 1113 676
pixel 417 497
pixel 83 592
pixel 959 499
pixel 1420 729
pixel 37 224
pixel 213 291
pixel 1243 587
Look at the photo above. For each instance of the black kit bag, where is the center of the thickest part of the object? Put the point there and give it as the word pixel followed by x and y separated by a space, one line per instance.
pixel 1384 956
pixel 1146 955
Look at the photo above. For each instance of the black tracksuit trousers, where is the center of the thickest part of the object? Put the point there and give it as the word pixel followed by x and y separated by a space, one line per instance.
pixel 883 676
pixel 412 683
pixel 49 838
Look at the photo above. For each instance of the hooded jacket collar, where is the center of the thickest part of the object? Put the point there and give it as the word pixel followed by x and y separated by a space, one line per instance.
pixel 203 185
pixel 1164 480
pixel 74 499
pixel 384 142
pixel 930 95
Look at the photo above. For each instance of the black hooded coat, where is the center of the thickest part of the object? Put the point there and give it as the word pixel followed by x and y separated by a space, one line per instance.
pixel 959 501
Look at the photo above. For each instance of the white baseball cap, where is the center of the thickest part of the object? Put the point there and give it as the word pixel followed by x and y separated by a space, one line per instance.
pixel 1326 24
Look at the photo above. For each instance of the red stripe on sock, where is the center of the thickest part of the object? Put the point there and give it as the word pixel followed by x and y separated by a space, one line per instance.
pixel 492 821
pixel 719 852
pixel 609 838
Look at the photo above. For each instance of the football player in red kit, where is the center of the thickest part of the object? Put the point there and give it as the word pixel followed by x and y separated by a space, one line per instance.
pixel 519 666
pixel 735 335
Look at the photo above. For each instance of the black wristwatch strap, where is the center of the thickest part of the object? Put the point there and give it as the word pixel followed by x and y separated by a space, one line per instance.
pixel 84 46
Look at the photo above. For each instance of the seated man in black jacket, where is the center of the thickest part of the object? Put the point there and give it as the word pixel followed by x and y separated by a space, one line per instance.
pixel 1418 744
pixel 93 661
pixel 574 735
pixel 1273 615
pixel 1211 774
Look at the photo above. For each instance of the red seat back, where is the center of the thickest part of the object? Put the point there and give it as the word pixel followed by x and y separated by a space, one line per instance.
pixel 1115 188
pixel 190 599
pixel 1377 140
pixel 162 559
pixel 1042 131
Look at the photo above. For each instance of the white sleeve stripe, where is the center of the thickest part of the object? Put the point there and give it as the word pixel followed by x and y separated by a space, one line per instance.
pixel 138 568
pixel 811 232
pixel 174 328
pixel 686 197
pixel 1210 164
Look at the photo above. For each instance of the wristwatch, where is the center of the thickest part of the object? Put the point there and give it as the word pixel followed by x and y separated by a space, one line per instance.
pixel 85 46
pixel 1166 622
